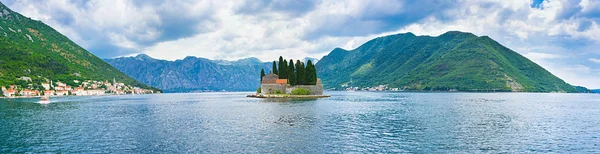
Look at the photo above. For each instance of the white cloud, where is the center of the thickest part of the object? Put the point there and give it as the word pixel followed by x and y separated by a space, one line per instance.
pixel 558 36
pixel 595 60
pixel 579 68
pixel 542 56
pixel 121 41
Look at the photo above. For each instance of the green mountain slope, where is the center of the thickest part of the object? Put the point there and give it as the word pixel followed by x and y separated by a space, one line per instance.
pixel 454 60
pixel 30 48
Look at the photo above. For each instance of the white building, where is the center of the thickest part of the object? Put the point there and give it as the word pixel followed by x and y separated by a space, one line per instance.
pixel 95 92
pixel 10 93
pixel 49 93
pixel 60 84
pixel 62 92
pixel 46 85
pixel 79 91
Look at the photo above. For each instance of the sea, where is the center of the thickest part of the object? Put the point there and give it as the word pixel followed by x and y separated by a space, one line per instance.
pixel 347 122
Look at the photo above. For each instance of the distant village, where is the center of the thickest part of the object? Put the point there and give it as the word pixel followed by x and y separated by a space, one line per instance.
pixel 374 88
pixel 86 88
pixel 347 87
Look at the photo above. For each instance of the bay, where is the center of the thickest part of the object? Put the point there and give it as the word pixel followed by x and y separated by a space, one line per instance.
pixel 360 122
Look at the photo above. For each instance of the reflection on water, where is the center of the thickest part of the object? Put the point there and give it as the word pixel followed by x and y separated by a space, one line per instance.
pixel 359 122
pixel 285 100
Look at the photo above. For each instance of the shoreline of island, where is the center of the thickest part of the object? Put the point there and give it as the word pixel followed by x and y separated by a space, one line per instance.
pixel 286 96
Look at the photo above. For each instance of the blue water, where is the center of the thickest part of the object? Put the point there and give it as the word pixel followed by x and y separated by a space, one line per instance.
pixel 362 122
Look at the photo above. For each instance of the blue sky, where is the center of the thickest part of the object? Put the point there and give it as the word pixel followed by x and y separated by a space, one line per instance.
pixel 563 36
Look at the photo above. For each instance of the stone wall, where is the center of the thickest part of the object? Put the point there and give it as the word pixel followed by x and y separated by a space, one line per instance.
pixel 272 88
pixel 314 89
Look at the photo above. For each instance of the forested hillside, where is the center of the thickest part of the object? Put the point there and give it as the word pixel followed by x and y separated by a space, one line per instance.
pixel 30 49
pixel 452 61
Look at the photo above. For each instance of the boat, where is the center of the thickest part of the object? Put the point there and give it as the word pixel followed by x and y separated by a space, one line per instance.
pixel 45 100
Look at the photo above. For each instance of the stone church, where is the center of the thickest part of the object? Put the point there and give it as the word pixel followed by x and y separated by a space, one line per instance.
pixel 271 84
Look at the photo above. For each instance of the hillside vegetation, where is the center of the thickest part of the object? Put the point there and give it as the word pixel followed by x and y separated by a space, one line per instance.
pixel 452 61
pixel 32 49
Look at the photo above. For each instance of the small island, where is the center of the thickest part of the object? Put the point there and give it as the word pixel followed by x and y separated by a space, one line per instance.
pixel 290 80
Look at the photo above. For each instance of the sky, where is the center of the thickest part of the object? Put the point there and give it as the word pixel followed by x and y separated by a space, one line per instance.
pixel 562 36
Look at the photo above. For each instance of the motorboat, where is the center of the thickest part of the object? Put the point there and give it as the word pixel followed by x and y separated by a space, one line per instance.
pixel 45 100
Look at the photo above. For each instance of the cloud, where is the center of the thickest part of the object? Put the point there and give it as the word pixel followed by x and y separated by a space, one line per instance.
pixel 579 68
pixel 128 25
pixel 595 60
pixel 560 35
pixel 360 18
pixel 289 7
pixel 540 56
pixel 579 75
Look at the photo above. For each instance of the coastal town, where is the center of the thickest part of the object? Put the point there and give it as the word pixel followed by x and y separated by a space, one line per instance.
pixel 81 88
pixel 347 87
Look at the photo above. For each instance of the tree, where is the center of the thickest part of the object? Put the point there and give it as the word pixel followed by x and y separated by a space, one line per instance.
pixel 275 68
pixel 300 73
pixel 311 73
pixel 262 74
pixel 283 70
pixel 291 73
pixel 300 91
pixel 280 68
pixel 314 71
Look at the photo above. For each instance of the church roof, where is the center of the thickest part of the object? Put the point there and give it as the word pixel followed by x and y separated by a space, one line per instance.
pixel 271 76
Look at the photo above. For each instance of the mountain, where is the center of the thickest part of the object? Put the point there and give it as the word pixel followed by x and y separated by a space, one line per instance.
pixel 313 60
pixel 35 53
pixel 582 89
pixel 453 60
pixel 246 61
pixel 193 74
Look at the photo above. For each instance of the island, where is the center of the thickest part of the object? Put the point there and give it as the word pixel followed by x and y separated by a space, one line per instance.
pixel 289 80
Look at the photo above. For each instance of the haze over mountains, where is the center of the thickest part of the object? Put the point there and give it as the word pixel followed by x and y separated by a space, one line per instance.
pixel 193 74
pixel 453 60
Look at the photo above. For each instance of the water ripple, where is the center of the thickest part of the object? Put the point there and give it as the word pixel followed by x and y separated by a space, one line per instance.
pixel 360 122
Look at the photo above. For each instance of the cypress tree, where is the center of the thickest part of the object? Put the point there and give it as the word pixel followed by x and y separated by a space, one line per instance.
pixel 304 82
pixel 310 73
pixel 291 73
pixel 281 69
pixel 315 78
pixel 262 74
pixel 275 68
pixel 300 73
pixel 297 69
pixel 284 70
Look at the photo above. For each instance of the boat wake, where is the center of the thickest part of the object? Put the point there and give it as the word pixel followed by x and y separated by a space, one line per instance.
pixel 44 100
